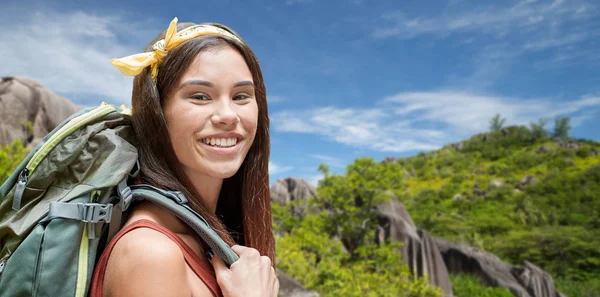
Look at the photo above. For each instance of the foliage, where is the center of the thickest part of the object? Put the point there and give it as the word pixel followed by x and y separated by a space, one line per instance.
pixel 562 127
pixel 574 288
pixel 496 123
pixel 10 157
pixel 468 285
pixel 351 199
pixel 538 130
pixel 321 262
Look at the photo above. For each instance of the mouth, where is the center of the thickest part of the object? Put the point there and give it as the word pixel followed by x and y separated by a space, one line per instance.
pixel 221 142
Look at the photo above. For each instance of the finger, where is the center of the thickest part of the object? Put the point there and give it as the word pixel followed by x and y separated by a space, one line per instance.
pixel 266 261
pixel 246 251
pixel 276 287
pixel 239 249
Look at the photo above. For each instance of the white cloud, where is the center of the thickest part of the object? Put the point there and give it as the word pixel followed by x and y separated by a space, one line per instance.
pixel 70 53
pixel 369 128
pixel 414 121
pixel 502 34
pixel 551 42
pixel 471 112
pixel 275 169
pixel 330 161
pixel 523 17
pixel 315 179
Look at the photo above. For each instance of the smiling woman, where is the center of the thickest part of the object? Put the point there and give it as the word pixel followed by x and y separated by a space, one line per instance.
pixel 200 117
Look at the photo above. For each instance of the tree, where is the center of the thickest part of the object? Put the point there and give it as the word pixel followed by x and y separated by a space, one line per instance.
pixel 351 199
pixel 538 130
pixel 562 127
pixel 496 123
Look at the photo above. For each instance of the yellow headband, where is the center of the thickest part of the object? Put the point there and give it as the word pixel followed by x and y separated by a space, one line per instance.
pixel 134 64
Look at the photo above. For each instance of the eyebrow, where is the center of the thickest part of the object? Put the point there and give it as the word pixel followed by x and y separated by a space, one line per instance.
pixel 210 85
pixel 244 83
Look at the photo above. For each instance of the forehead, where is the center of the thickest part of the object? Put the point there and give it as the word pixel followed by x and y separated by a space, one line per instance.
pixel 218 64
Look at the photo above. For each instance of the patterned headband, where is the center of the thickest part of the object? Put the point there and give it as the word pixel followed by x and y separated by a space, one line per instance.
pixel 134 64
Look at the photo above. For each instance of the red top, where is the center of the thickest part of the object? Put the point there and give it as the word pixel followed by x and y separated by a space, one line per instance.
pixel 203 270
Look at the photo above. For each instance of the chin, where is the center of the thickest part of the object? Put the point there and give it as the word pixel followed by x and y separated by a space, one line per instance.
pixel 225 172
pixel 224 175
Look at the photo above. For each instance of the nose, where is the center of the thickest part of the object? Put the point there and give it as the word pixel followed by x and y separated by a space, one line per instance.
pixel 225 114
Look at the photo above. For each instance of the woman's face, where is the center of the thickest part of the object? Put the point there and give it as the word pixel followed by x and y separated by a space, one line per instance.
pixel 212 114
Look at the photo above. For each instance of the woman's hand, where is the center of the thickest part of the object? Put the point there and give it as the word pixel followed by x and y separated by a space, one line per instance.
pixel 250 276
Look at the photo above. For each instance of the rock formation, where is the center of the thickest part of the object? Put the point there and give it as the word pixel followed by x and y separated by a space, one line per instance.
pixel 526 281
pixel 289 287
pixel 418 250
pixel 23 100
pixel 291 189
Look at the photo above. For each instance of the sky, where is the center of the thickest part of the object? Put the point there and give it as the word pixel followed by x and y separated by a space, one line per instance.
pixel 345 79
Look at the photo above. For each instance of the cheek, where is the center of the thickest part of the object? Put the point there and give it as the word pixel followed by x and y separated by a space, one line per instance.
pixel 182 123
pixel 250 119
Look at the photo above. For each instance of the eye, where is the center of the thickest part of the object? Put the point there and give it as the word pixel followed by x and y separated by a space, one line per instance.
pixel 241 97
pixel 200 97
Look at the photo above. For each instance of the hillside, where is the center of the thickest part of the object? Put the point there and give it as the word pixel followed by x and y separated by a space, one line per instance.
pixel 516 193
pixel 518 196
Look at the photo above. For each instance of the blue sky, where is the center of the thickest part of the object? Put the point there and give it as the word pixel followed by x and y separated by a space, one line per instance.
pixel 345 79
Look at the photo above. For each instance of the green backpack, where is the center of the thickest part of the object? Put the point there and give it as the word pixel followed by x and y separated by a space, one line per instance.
pixel 66 200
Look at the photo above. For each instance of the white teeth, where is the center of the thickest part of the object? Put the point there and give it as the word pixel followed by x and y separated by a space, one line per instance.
pixel 222 142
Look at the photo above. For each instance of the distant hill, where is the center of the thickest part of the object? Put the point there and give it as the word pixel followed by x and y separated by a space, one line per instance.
pixel 520 195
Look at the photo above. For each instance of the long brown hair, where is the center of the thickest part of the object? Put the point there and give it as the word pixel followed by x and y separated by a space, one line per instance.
pixel 243 213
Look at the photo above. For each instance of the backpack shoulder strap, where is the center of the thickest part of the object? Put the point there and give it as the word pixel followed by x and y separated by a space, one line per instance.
pixel 176 203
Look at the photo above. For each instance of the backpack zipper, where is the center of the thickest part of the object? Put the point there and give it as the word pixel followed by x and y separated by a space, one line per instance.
pixel 67 129
pixel 20 188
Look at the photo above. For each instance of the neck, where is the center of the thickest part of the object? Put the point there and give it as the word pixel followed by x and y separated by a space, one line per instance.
pixel 209 189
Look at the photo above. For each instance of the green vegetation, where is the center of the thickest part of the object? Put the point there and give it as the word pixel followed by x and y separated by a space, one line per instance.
pixel 496 123
pixel 518 192
pixel 561 128
pixel 309 247
pixel 307 251
pixel 467 285
pixel 10 157
pixel 571 288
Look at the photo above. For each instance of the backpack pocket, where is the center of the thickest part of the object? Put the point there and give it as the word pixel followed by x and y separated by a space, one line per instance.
pixel 47 262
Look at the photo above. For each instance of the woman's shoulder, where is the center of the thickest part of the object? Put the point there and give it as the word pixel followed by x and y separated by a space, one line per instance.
pixel 145 262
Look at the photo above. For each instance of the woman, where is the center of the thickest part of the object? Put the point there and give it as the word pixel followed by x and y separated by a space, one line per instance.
pixel 200 117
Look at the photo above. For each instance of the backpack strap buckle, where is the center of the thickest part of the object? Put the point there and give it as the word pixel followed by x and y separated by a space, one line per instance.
pixel 124 192
pixel 84 212
pixel 94 212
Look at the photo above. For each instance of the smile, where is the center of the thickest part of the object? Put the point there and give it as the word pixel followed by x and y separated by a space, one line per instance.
pixel 220 142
